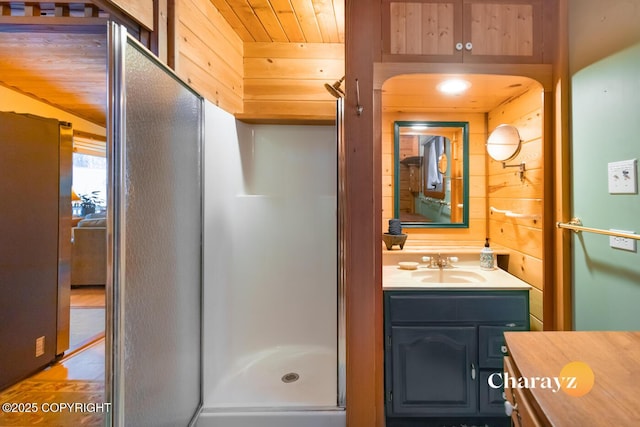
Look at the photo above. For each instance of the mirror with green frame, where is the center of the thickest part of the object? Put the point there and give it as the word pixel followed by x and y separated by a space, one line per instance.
pixel 431 174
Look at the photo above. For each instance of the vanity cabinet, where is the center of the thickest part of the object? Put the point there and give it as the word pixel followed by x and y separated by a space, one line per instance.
pixel 498 31
pixel 419 353
pixel 442 346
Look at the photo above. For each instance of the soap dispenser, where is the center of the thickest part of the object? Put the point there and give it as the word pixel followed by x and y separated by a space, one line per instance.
pixel 486 256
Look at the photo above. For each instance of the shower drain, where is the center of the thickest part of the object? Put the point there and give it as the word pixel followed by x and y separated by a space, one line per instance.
pixel 291 377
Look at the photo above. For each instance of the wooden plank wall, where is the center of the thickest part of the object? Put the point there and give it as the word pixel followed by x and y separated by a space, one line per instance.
pixel 260 82
pixel 209 54
pixel 522 236
pixel 286 80
pixel 141 10
pixel 477 230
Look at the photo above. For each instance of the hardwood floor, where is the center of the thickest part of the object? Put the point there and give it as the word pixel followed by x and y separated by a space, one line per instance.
pixel 86 365
pixel 77 378
pixel 87 316
pixel 87 296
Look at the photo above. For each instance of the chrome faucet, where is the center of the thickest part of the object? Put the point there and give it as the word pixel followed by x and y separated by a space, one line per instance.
pixel 440 261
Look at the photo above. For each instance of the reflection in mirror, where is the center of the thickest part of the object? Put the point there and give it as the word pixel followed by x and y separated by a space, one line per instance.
pixel 431 174
pixel 442 163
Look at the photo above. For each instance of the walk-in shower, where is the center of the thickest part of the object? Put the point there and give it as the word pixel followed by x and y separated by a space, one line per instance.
pixel 272 355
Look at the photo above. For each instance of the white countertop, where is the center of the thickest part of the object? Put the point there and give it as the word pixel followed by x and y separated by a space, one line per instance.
pixel 462 277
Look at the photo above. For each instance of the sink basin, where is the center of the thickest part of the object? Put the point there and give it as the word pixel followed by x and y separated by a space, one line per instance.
pixel 463 276
pixel 448 276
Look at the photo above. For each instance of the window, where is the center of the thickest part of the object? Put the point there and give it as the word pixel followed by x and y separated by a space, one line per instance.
pixel 90 178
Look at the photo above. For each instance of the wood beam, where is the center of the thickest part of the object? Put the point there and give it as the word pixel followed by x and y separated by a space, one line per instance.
pixel 363 218
pixel 561 306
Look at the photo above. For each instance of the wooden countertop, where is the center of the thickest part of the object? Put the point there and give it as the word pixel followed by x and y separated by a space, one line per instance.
pixel 614 358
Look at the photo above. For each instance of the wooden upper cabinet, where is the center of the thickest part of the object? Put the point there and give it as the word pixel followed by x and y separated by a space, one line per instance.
pixel 421 30
pixel 494 31
pixel 508 31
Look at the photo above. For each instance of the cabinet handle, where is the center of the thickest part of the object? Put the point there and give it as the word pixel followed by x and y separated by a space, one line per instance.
pixel 509 408
pixel 459 46
pixel 473 371
pixel 468 46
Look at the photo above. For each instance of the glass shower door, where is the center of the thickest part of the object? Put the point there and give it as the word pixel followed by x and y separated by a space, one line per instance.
pixel 155 243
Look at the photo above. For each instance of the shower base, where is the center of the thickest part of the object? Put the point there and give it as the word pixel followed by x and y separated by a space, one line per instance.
pixel 307 418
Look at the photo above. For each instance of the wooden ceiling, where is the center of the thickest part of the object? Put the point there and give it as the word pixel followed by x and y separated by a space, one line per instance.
pixel 65 69
pixel 295 21
pixel 419 93
pixel 68 69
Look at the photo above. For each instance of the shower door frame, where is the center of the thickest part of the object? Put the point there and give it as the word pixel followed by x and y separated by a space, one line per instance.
pixel 341 262
pixel 117 40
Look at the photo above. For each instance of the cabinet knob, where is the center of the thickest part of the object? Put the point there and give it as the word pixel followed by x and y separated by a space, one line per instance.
pixel 459 46
pixel 468 46
pixel 473 371
pixel 509 408
pixel 503 349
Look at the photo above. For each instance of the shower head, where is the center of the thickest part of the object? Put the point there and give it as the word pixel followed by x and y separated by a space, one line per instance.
pixel 334 89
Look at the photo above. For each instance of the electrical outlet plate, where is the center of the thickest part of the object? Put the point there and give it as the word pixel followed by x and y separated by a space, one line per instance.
pixel 622 242
pixel 39 346
pixel 623 177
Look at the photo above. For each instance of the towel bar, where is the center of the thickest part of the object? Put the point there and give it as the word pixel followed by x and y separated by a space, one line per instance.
pixel 510 214
pixel 576 225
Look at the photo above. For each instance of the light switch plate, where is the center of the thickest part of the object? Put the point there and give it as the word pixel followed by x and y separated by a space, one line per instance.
pixel 622 242
pixel 623 177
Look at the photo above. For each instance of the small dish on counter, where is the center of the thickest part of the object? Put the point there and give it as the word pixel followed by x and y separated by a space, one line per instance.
pixel 408 265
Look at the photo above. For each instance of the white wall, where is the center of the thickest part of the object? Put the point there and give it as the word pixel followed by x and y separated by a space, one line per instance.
pixel 269 244
pixel 11 100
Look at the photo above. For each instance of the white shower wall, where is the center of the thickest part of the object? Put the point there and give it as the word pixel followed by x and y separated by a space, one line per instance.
pixel 270 297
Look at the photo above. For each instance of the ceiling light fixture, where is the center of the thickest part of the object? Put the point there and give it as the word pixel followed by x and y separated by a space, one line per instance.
pixel 454 86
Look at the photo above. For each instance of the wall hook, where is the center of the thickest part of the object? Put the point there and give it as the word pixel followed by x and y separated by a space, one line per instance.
pixel 359 107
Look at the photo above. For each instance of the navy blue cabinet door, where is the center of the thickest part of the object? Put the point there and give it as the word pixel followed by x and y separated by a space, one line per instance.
pixel 433 370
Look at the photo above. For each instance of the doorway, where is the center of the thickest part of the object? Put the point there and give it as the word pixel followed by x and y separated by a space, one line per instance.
pixel 153 288
pixel 76 372
pixel 89 248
